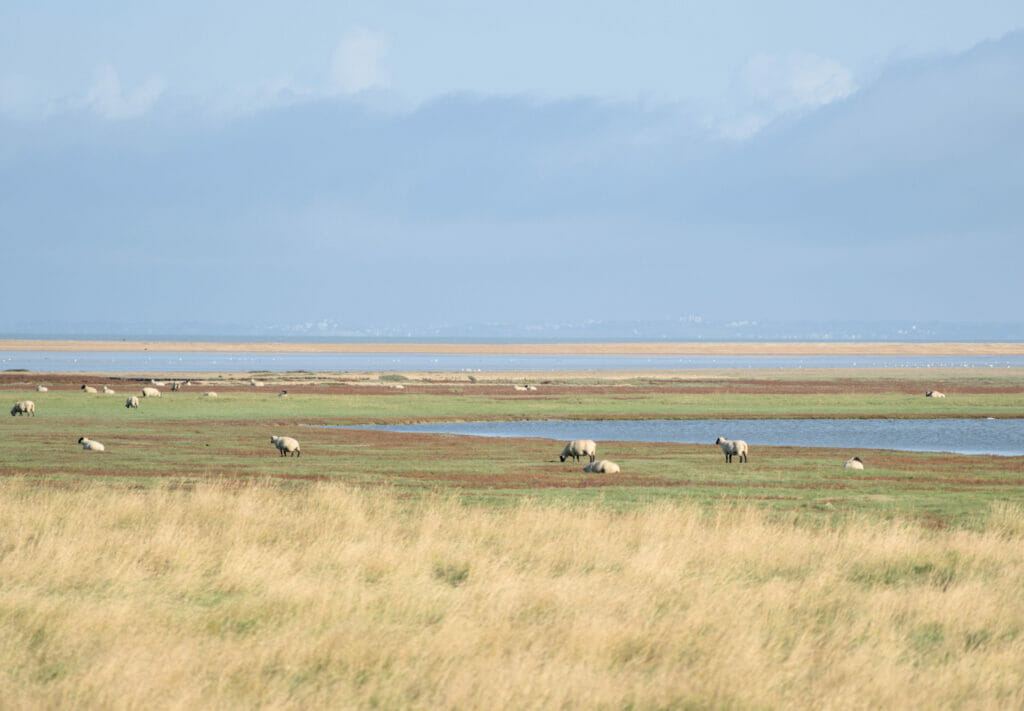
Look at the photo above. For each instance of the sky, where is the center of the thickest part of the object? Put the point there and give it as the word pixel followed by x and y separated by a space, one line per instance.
pixel 390 165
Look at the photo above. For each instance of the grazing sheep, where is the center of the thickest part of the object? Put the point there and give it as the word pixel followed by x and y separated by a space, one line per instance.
pixel 854 463
pixel 579 448
pixel 934 393
pixel 107 390
pixel 88 388
pixel 604 466
pixel 210 394
pixel 91 445
pixel 150 392
pixel 24 407
pixel 287 445
pixel 732 447
pixel 132 402
pixel 42 389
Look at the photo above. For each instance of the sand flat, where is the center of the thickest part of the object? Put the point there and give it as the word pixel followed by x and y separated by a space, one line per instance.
pixel 553 349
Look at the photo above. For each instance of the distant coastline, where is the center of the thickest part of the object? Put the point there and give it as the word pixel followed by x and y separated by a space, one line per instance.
pixel 745 348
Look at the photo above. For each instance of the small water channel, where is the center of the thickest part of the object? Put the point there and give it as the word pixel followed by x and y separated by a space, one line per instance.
pixel 964 436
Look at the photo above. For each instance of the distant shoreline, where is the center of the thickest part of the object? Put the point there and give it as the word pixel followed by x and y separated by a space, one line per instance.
pixel 537 349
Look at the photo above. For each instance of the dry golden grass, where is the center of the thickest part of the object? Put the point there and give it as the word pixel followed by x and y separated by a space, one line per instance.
pixel 335 598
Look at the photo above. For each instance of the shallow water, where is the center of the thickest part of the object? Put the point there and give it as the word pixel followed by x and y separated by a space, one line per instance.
pixel 963 436
pixel 181 362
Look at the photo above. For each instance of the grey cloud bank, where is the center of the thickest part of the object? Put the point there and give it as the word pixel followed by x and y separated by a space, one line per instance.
pixel 900 201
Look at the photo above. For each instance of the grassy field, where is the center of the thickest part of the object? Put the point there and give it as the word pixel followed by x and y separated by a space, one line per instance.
pixel 190 566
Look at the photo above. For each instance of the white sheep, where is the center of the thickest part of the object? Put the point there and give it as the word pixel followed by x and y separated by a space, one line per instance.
pixel 853 463
pixel 287 445
pixel 579 448
pixel 256 383
pixel 732 447
pixel 88 388
pixel 396 386
pixel 934 393
pixel 132 402
pixel 521 388
pixel 150 392
pixel 107 390
pixel 603 466
pixel 24 407
pixel 91 445
pixel 158 383
pixel 210 393
pixel 531 387
pixel 42 389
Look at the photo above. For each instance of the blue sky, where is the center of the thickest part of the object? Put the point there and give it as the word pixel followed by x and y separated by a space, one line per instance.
pixel 380 165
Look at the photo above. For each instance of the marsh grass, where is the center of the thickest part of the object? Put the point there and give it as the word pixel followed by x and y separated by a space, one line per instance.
pixel 329 596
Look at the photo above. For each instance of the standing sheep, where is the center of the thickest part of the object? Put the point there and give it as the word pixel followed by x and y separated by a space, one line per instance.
pixel 91 445
pixel 579 448
pixel 88 388
pixel 604 466
pixel 854 463
pixel 286 446
pixel 150 392
pixel 132 402
pixel 24 407
pixel 732 447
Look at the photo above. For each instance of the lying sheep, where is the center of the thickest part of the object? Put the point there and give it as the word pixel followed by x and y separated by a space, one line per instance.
pixel 150 392
pixel 132 402
pixel 286 446
pixel 158 383
pixel 531 387
pixel 88 388
pixel 579 448
pixel 210 394
pixel 42 389
pixel 934 393
pixel 604 466
pixel 853 463
pixel 732 447
pixel 107 390
pixel 24 407
pixel 91 445
pixel 256 383
pixel 521 388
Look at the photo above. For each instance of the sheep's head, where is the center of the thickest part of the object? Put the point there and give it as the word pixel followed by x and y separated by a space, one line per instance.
pixel 719 440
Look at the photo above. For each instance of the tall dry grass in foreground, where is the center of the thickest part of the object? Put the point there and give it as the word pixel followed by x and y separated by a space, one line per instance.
pixel 329 597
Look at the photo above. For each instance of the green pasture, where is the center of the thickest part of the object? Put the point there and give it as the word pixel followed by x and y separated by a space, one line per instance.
pixel 183 438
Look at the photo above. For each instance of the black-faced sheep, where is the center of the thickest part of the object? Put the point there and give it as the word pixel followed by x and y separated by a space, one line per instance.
pixel 24 407
pixel 91 445
pixel 132 402
pixel 934 393
pixel 150 392
pixel 603 466
pixel 579 448
pixel 854 463
pixel 42 389
pixel 732 447
pixel 286 446
pixel 88 388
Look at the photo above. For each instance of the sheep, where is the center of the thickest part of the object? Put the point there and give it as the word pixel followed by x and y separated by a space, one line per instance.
pixel 732 447
pixel 283 393
pixel 91 445
pixel 210 393
pixel 521 388
pixel 132 402
pixel 579 448
pixel 42 389
pixel 531 387
pixel 854 463
pixel 934 393
pixel 107 390
pixel 150 392
pixel 256 383
pixel 24 407
pixel 604 466
pixel 176 386
pixel 88 388
pixel 287 445
pixel 158 383
pixel 397 386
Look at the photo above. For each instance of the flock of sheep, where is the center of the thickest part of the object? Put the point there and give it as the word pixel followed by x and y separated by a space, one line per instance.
pixel 289 446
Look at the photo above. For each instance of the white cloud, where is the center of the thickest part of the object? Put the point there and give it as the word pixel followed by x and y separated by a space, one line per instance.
pixel 357 63
pixel 108 99
pixel 797 80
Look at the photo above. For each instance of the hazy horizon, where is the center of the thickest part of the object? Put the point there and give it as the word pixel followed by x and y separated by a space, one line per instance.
pixel 389 170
